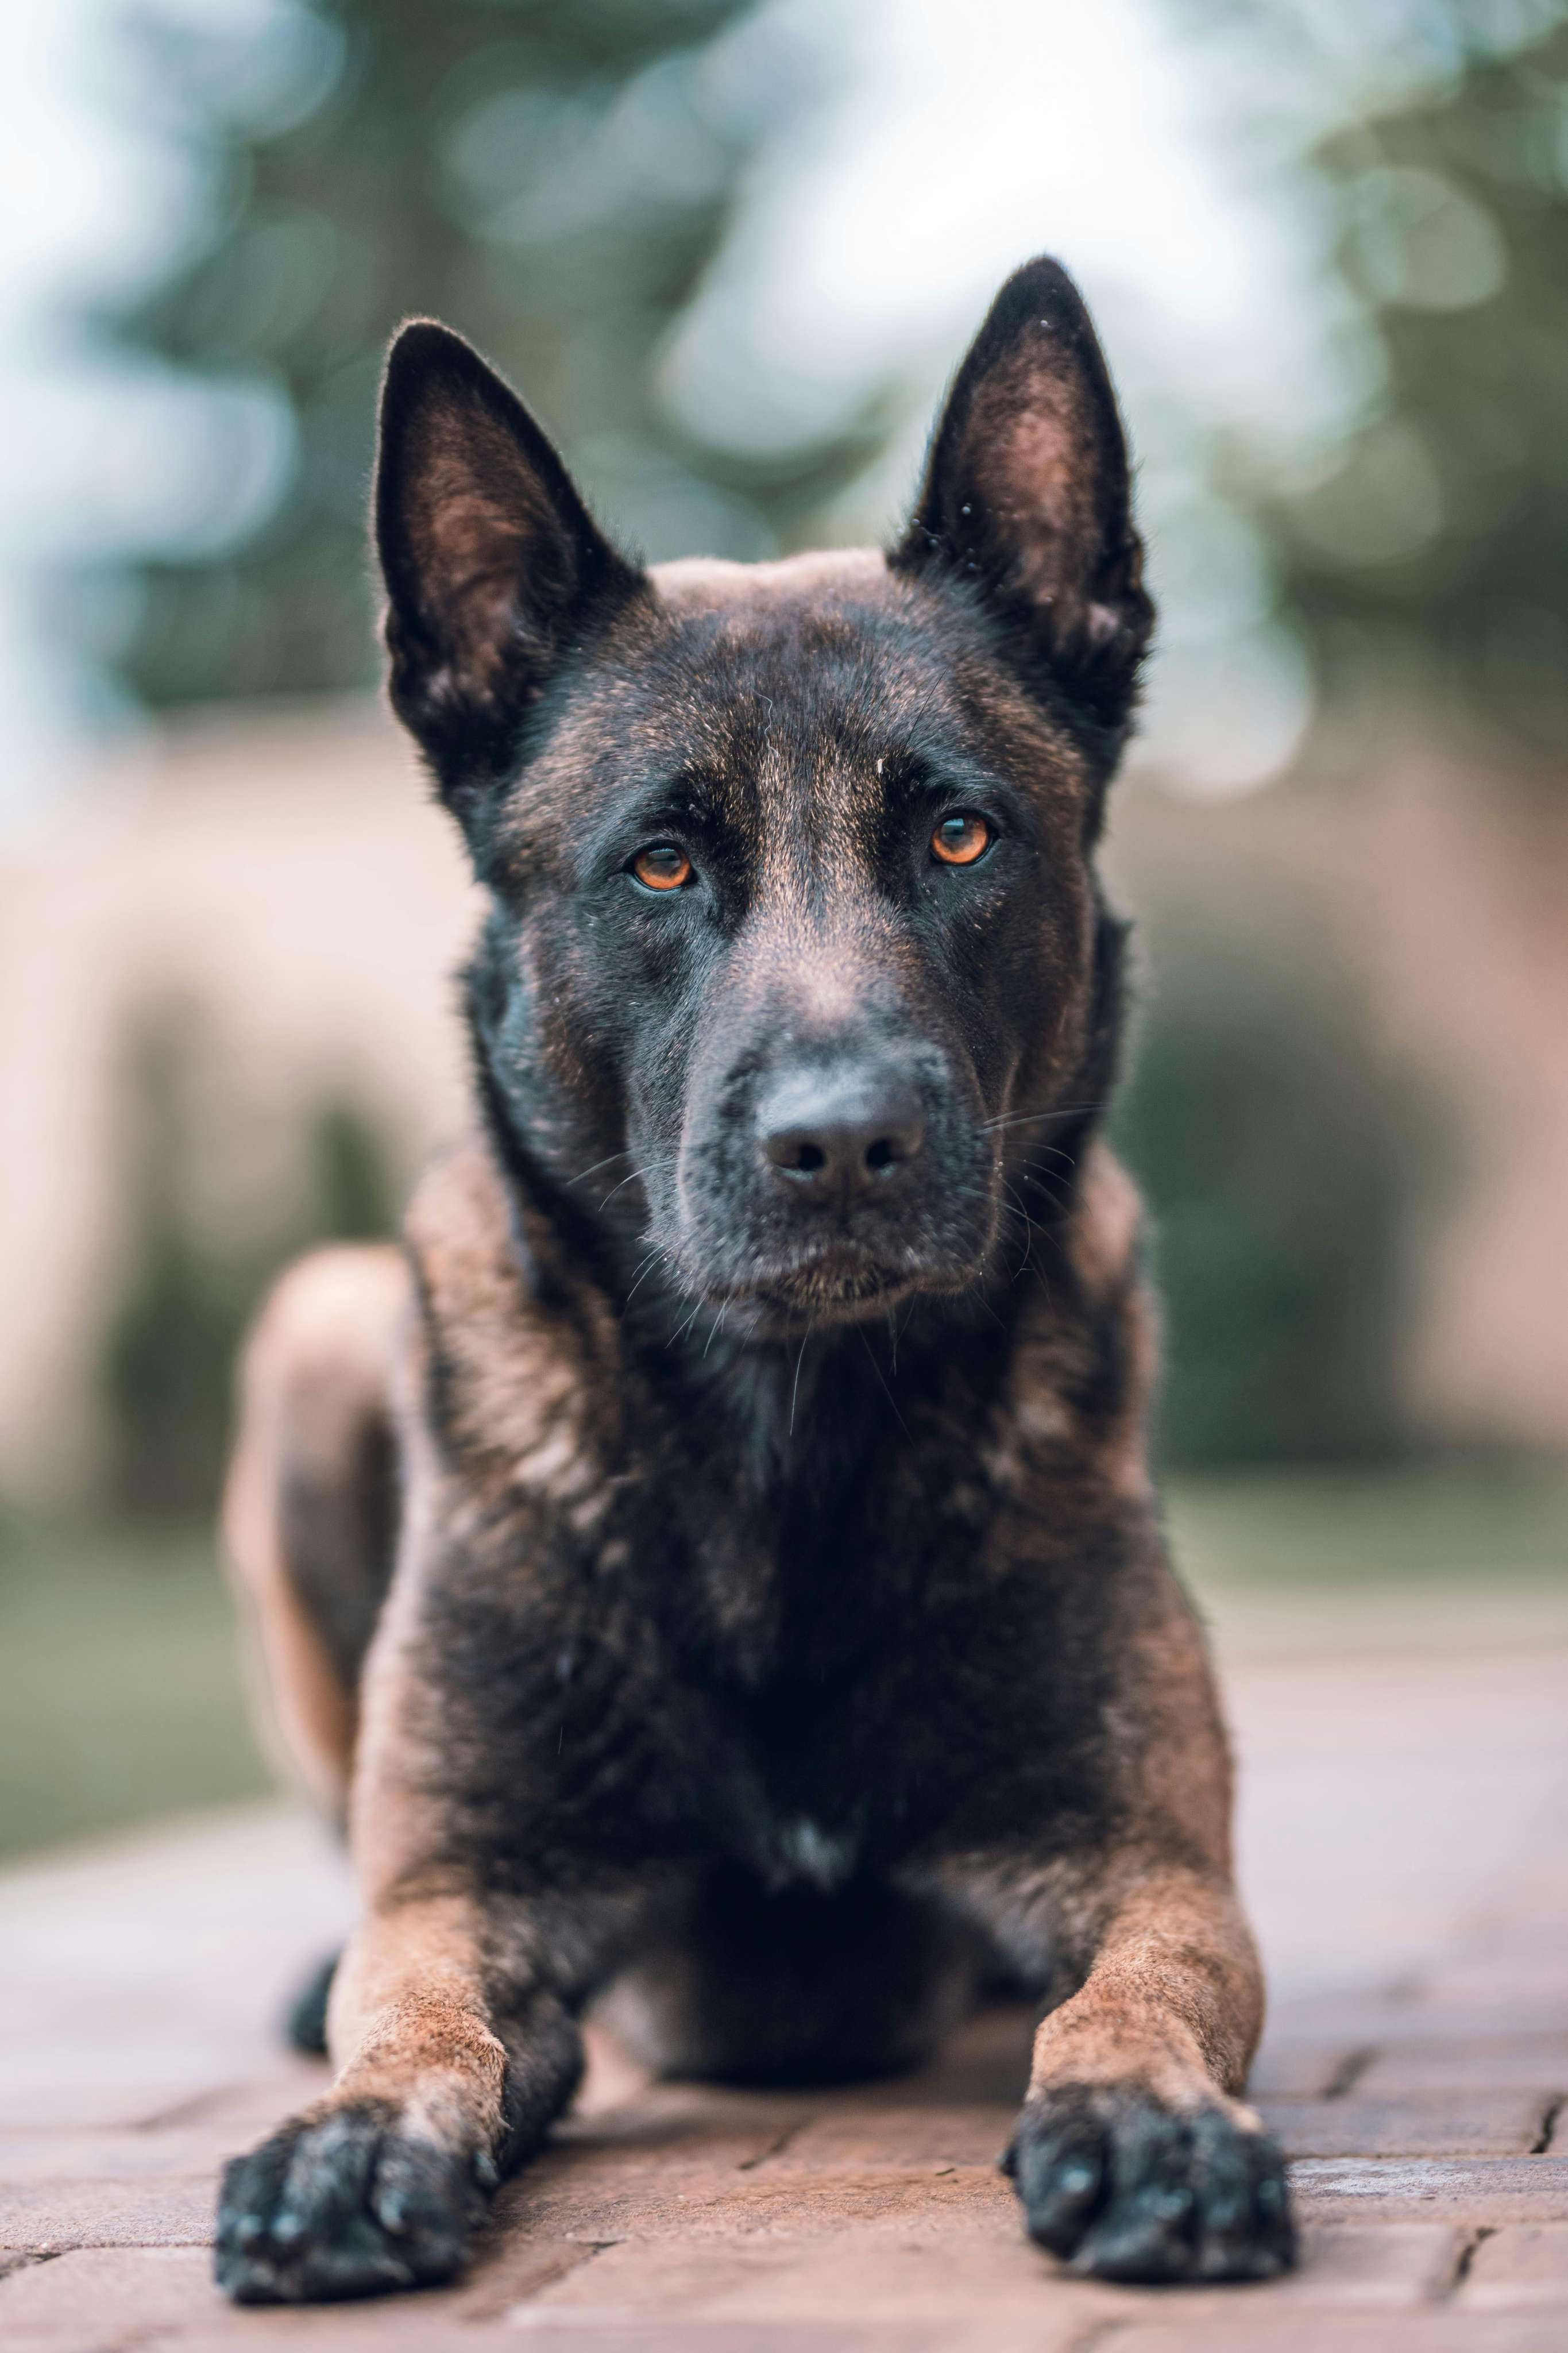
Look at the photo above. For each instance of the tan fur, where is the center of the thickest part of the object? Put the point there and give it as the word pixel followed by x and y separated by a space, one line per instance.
pixel 390 1827
pixel 1107 1234
pixel 1173 1995
pixel 710 582
pixel 320 1355
pixel 1173 1999
pixel 1106 1223
pixel 408 2022
pixel 520 1398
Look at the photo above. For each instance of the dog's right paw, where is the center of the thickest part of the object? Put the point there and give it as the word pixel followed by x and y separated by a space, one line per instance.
pixel 1122 2186
pixel 344 2202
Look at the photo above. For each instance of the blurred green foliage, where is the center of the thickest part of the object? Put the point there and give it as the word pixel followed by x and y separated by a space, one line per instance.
pixel 1285 1170
pixel 549 176
pixel 1422 558
pixel 187 1290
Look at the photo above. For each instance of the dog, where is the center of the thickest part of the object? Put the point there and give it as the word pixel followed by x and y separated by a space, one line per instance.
pixel 717 1555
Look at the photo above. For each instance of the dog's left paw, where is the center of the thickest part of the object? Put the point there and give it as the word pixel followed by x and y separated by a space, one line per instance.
pixel 1123 2186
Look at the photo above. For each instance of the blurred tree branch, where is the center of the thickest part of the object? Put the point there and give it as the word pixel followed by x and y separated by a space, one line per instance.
pixel 551 178
pixel 1421 557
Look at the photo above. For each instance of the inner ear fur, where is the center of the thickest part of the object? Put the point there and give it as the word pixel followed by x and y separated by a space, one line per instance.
pixel 1026 496
pixel 493 565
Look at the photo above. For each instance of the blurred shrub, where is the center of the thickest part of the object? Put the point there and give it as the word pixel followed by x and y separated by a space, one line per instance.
pixel 177 1318
pixel 550 176
pixel 1284 1170
pixel 1422 559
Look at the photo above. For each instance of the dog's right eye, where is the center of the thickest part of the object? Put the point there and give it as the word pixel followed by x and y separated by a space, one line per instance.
pixel 661 867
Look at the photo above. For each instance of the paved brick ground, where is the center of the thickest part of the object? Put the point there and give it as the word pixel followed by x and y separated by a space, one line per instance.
pixel 1405 1800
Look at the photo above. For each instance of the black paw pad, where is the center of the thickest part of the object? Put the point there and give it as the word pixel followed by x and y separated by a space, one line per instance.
pixel 1120 2185
pixel 342 2203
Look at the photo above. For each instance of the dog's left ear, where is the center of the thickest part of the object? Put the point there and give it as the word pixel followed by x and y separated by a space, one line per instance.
pixel 495 570
pixel 1026 496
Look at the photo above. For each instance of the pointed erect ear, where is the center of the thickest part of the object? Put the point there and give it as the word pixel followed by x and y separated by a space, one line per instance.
pixel 1026 498
pixel 493 566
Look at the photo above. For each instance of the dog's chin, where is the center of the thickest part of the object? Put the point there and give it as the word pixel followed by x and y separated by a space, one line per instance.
pixel 842 1283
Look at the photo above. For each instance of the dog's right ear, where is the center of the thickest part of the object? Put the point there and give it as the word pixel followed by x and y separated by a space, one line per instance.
pixel 494 567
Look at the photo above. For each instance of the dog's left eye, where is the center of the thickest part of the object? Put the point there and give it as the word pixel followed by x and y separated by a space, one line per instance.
pixel 661 867
pixel 960 839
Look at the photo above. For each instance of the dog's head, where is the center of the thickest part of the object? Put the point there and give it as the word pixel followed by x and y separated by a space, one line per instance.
pixel 794 930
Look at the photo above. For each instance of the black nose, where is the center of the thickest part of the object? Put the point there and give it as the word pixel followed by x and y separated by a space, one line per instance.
pixel 840 1128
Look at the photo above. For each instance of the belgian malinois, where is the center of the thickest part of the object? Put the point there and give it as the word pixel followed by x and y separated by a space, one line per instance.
pixel 718 1554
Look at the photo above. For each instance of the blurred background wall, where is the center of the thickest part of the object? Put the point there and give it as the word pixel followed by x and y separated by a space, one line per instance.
pixel 729 253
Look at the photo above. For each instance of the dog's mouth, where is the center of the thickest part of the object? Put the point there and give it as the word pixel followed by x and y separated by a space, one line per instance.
pixel 836 1281
pixel 773 1261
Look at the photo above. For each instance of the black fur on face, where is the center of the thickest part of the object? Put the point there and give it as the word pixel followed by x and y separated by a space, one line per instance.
pixel 794 950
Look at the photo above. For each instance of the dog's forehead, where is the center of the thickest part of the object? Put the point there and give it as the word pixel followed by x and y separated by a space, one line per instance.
pixel 797 688
pixel 828 653
pixel 810 648
pixel 714 583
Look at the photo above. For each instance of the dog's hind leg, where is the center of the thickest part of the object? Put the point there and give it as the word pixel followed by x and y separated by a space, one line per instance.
pixel 310 1508
pixel 309 1519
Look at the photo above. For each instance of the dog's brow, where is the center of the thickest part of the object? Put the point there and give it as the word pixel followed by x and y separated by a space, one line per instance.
pixel 913 772
pixel 691 793
pixel 675 798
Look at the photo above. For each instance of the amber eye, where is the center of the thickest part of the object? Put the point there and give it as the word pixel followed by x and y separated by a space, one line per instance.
pixel 662 867
pixel 959 839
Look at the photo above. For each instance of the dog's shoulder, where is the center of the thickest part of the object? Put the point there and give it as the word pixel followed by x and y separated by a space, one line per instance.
pixel 456 1229
pixel 514 1356
pixel 1106 1233
pixel 1084 1354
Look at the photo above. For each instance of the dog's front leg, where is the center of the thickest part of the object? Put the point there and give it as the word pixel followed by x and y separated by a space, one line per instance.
pixel 1134 2157
pixel 455 2022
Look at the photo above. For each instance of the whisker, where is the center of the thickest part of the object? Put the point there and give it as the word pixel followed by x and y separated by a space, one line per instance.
pixel 1030 1118
pixel 1028 1223
pixel 666 1160
pixel 795 1391
pixel 991 1311
pixel 1059 1202
pixel 684 1328
pixel 645 1266
pixel 887 1392
pixel 583 1174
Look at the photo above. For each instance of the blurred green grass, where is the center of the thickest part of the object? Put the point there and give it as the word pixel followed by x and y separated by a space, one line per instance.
pixel 1440 1523
pixel 122 1698
pixel 120 1692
